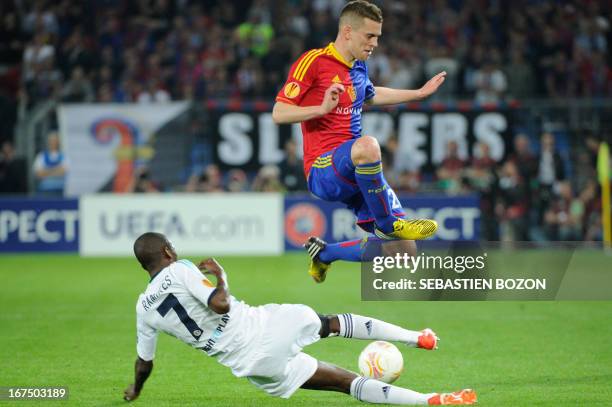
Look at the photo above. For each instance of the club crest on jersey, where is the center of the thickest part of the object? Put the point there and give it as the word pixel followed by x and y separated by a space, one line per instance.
pixel 351 92
pixel 292 89
pixel 336 79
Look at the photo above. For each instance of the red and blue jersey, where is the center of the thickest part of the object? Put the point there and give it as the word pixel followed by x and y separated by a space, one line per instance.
pixel 309 77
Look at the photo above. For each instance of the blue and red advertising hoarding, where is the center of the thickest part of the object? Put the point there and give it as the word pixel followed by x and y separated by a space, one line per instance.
pixel 458 218
pixel 39 225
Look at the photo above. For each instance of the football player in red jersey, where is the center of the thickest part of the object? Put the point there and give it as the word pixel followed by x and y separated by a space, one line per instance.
pixel 325 91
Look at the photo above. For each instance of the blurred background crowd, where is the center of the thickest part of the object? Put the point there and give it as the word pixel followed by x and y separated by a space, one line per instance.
pixel 153 51
pixel 159 50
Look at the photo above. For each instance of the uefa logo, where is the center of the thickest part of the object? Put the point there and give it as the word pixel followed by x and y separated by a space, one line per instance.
pixel 303 220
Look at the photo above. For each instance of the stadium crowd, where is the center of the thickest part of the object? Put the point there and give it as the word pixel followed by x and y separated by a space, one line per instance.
pixel 149 51
pixel 158 50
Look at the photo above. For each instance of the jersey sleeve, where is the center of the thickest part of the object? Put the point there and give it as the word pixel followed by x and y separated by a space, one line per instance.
pixel 146 339
pixel 196 283
pixel 300 79
pixel 370 92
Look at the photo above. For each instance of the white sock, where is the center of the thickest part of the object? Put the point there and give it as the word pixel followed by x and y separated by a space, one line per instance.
pixel 374 391
pixel 358 327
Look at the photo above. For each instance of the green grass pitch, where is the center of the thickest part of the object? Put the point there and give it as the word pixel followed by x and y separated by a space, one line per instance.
pixel 68 321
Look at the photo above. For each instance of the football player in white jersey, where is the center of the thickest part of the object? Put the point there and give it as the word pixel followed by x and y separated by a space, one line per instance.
pixel 261 343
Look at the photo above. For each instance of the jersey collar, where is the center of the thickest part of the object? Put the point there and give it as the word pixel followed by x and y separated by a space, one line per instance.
pixel 155 275
pixel 334 52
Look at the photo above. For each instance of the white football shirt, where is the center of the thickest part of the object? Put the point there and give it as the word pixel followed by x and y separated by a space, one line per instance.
pixel 176 302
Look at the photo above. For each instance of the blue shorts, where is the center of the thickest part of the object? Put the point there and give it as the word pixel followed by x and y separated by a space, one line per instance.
pixel 333 179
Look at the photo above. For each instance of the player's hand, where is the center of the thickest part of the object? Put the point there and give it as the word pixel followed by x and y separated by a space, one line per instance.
pixel 432 85
pixel 331 98
pixel 130 394
pixel 211 266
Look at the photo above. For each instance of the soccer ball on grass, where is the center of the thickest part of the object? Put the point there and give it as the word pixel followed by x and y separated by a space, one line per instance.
pixel 382 361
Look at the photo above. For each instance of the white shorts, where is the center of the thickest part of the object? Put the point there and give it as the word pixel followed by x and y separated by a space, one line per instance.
pixel 279 366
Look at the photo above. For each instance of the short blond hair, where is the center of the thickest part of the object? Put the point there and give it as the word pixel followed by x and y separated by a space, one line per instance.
pixel 355 11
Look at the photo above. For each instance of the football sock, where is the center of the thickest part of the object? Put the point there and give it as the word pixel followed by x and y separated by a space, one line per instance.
pixel 348 251
pixel 359 327
pixel 374 391
pixel 351 250
pixel 374 188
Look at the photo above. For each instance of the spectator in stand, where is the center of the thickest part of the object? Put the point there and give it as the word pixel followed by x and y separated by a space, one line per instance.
pixel 596 77
pixel 511 207
pixel 490 83
pixel 584 172
pixel 268 180
pixel 47 83
pixel 38 72
pixel 75 53
pixel 521 79
pixel 592 213
pixel 42 18
pixel 142 182
pixel 78 88
pixel 403 74
pixel 11 39
pixel 322 28
pixel 472 64
pixel 526 162
pixel 560 78
pixel 563 219
pixel 248 77
pixel 591 143
pixel 441 59
pixel 154 93
pixel 379 66
pixel 482 179
pixel 256 34
pixel 13 175
pixel 209 180
pixel 237 181
pixel 213 179
pixel 291 169
pixel 450 170
pixel 408 181
pixel 50 167
pixel 550 171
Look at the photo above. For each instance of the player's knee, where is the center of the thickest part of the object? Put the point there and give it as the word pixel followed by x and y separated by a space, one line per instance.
pixel 365 150
pixel 329 325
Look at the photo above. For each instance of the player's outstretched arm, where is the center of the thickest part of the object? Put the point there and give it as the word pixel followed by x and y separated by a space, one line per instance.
pixel 388 96
pixel 287 113
pixel 142 370
pixel 219 302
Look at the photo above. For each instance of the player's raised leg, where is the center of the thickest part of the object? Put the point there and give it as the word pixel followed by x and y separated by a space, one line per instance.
pixel 322 254
pixel 360 327
pixel 332 378
pixel 366 156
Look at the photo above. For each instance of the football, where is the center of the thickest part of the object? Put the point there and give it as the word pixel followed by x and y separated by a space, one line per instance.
pixel 382 361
